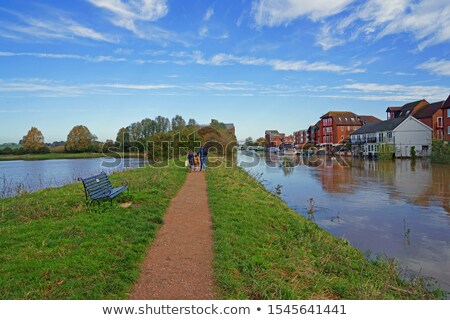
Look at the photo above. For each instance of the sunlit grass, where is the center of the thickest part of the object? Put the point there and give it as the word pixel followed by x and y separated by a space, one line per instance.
pixel 52 246
pixel 264 250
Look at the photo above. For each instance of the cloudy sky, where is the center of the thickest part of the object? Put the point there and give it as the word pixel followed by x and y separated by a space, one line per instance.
pixel 258 63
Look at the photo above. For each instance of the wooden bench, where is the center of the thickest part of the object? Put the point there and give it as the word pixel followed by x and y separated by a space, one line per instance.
pixel 99 187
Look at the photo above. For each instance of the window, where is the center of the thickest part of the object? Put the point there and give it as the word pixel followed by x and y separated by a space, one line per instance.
pixel 408 112
pixel 353 118
pixel 439 122
pixel 340 119
pixel 342 128
pixel 346 119
pixel 448 130
pixel 348 128
pixel 448 113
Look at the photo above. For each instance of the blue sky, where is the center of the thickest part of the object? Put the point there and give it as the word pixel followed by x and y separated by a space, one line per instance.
pixel 258 63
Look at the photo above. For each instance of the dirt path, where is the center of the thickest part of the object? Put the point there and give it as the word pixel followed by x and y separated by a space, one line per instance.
pixel 178 265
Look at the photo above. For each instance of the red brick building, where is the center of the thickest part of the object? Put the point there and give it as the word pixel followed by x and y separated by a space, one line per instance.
pixel 300 137
pixel 336 127
pixel 432 116
pixel 274 138
pixel 409 109
pixel 446 119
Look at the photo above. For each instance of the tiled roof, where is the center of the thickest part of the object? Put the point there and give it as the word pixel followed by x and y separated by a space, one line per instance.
pixel 381 126
pixel 410 107
pixel 369 119
pixel 342 118
pixel 446 104
pixel 394 109
pixel 429 110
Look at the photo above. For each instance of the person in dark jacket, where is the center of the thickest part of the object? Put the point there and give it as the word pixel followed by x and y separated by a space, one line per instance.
pixel 190 158
pixel 203 154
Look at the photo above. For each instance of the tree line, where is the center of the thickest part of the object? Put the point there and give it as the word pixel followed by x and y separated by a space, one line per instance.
pixel 176 134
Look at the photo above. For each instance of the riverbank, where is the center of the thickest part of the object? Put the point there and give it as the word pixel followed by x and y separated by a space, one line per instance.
pixel 64 156
pixel 264 250
pixel 52 246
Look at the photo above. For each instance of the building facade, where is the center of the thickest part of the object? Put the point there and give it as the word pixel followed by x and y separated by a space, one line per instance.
pixel 446 119
pixel 432 116
pixel 300 138
pixel 400 135
pixel 336 127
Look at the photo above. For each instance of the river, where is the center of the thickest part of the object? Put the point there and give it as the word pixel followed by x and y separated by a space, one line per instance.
pixel 400 208
pixel 28 176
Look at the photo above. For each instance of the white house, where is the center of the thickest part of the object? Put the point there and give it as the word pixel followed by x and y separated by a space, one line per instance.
pixel 403 133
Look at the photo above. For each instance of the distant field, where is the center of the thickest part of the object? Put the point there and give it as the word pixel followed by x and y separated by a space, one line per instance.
pixel 12 146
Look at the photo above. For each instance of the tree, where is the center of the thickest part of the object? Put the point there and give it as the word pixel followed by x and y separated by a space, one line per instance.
pixel 33 141
pixel 261 142
pixel 80 139
pixel 148 127
pixel 123 139
pixel 178 123
pixel 162 125
pixel 192 123
pixel 249 142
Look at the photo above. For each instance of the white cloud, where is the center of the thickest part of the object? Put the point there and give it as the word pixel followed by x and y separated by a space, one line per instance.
pixel 209 13
pixel 425 20
pixel 48 88
pixel 58 28
pixel 275 64
pixel 127 13
pixel 203 31
pixel 274 13
pixel 393 92
pixel 439 67
pixel 62 56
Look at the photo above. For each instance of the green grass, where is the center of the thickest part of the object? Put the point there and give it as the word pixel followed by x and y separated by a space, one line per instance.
pixel 56 156
pixel 264 250
pixel 52 246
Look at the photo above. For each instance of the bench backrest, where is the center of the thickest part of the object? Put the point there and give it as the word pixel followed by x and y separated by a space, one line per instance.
pixel 97 186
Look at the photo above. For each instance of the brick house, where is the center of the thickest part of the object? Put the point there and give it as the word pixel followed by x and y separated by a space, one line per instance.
pixel 336 127
pixel 311 134
pixel 274 138
pixel 300 137
pixel 446 119
pixel 408 109
pixel 432 116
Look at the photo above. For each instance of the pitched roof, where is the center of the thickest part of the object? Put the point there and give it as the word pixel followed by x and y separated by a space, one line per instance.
pixel 381 126
pixel 446 104
pixel 410 107
pixel 342 118
pixel 365 120
pixel 429 110
pixel 394 109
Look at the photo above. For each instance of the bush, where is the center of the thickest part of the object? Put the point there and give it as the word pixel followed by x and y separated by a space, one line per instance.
pixel 386 151
pixel 440 152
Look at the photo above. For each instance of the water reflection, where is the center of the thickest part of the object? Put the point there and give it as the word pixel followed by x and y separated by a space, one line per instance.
pixel 398 208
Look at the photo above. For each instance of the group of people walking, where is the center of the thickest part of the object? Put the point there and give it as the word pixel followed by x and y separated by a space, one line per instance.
pixel 197 162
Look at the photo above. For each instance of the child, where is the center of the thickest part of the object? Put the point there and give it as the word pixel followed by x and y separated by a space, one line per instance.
pixel 196 163
pixel 191 160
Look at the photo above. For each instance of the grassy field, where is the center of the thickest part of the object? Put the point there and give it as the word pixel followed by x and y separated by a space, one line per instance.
pixel 55 156
pixel 264 250
pixel 53 247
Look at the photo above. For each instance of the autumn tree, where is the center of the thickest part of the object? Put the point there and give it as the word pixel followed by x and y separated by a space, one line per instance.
pixel 34 141
pixel 261 142
pixel 80 139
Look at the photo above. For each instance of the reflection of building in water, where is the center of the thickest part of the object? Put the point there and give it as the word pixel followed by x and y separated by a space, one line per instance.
pixel 417 182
